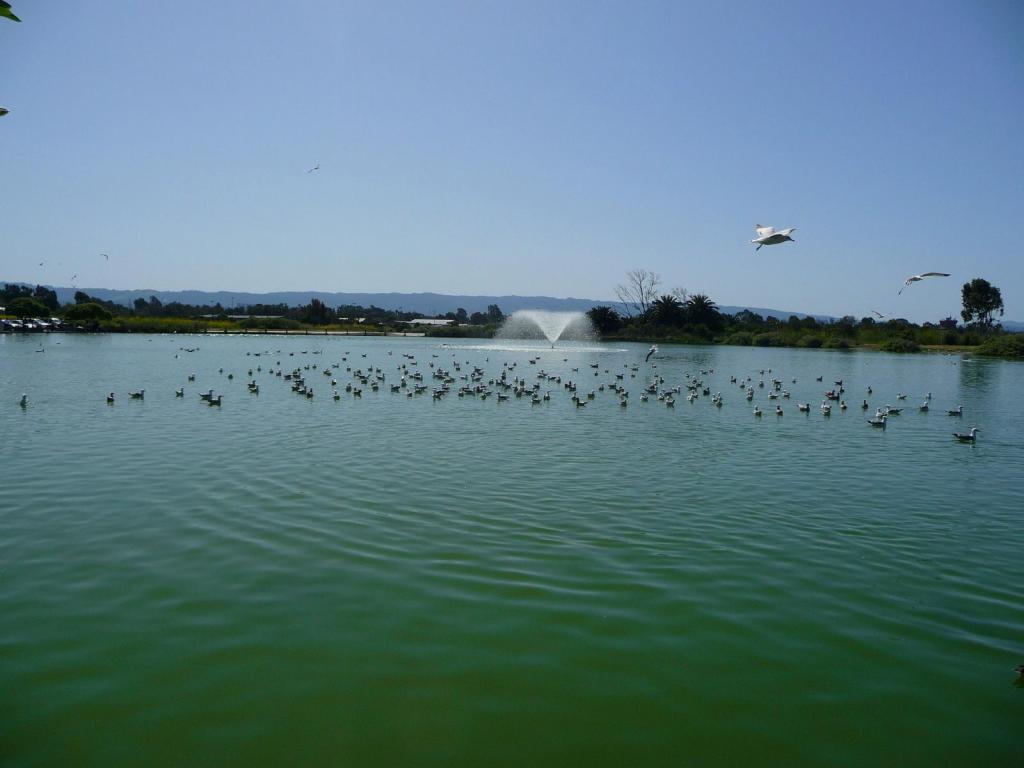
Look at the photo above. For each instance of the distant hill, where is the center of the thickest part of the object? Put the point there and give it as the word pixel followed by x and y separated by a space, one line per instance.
pixel 420 303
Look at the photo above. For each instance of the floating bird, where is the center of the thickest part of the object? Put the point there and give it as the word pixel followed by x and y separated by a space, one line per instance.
pixel 140 395
pixel 968 437
pixel 922 276
pixel 768 236
pixel 110 398
pixel 179 392
pixel 24 400
pixel 878 421
pixel 958 412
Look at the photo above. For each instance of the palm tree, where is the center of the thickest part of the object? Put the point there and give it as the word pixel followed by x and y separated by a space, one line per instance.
pixel 701 309
pixel 667 310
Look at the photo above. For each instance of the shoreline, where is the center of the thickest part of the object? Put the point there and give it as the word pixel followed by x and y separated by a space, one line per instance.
pixel 933 349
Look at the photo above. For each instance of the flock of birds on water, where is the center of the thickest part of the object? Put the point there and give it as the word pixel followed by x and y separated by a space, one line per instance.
pixel 467 380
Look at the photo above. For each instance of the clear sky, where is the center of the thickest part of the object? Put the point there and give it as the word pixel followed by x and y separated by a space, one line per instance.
pixel 528 147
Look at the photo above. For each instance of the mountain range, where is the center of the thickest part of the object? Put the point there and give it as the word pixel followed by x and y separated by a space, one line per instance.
pixel 420 303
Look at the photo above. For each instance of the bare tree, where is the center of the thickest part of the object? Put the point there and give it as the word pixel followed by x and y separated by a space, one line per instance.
pixel 639 291
pixel 681 293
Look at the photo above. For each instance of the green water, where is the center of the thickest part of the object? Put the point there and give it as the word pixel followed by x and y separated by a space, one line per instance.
pixel 393 580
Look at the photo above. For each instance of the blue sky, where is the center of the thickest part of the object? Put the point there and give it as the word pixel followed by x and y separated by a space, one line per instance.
pixel 529 148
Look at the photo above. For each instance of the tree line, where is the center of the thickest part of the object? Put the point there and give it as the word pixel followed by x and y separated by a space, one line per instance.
pixel 25 301
pixel 645 313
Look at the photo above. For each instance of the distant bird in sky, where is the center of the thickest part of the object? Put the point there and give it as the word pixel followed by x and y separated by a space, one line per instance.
pixel 3 111
pixel 880 315
pixel 105 256
pixel 73 277
pixel 922 276
pixel 41 263
pixel 768 236
pixel 314 168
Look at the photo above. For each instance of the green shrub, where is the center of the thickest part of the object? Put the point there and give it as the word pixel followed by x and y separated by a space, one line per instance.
pixel 740 339
pixel 86 312
pixel 898 344
pixel 1010 345
pixel 770 339
pixel 812 342
pixel 275 323
pixel 838 344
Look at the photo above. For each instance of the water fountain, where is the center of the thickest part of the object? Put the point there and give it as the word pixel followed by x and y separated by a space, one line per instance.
pixel 542 324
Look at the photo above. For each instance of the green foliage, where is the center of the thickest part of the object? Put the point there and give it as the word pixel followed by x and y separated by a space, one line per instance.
pixel 458 331
pixel 317 313
pixel 836 343
pixel 271 323
pixel 812 342
pixel 701 310
pixel 6 12
pixel 667 310
pixel 605 319
pixel 128 324
pixel 981 300
pixel 899 344
pixel 1007 345
pixel 88 312
pixel 740 339
pixel 27 306
pixel 770 339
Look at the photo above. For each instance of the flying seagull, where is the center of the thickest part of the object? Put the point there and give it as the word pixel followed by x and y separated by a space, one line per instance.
pixel 314 168
pixel 3 111
pixel 74 276
pixel 768 236
pixel 105 256
pixel 922 276
pixel 651 351
pixel 880 315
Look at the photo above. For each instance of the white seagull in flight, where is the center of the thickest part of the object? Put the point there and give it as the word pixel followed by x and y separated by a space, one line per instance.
pixel 768 236
pixel 314 168
pixel 922 276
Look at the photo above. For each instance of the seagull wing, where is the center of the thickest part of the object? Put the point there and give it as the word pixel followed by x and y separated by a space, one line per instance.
pixel 933 274
pixel 764 231
pixel 786 231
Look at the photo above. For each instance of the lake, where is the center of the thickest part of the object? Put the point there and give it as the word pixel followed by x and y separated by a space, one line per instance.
pixel 396 580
